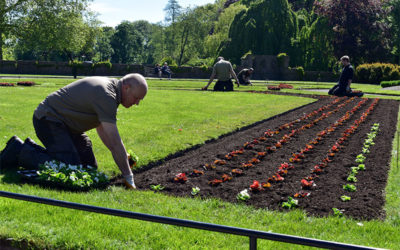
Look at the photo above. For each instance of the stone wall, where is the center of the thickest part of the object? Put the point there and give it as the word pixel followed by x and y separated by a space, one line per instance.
pixel 266 67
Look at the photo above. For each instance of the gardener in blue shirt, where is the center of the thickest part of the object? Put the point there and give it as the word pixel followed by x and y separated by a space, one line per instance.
pixel 342 88
pixel 62 119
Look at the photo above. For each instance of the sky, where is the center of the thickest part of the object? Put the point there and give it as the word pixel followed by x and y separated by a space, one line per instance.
pixel 112 12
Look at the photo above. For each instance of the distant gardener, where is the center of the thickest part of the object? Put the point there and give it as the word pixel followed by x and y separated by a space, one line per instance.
pixel 342 88
pixel 62 119
pixel 223 70
pixel 244 76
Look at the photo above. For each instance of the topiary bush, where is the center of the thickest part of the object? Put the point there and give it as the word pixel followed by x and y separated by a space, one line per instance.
pixel 385 84
pixel 374 73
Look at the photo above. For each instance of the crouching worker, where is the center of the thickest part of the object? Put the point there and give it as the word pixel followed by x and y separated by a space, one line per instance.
pixel 223 71
pixel 346 77
pixel 62 119
pixel 244 76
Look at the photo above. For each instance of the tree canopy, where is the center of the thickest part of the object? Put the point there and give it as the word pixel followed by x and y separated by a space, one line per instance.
pixel 314 33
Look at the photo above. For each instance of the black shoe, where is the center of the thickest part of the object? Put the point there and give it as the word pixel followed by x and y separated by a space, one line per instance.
pixel 32 143
pixel 9 155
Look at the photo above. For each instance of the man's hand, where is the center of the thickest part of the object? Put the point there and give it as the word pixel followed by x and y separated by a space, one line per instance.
pixel 129 182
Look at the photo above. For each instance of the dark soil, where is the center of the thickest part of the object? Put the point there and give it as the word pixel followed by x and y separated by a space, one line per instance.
pixel 366 203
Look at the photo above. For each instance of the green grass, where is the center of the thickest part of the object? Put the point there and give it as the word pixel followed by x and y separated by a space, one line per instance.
pixel 151 130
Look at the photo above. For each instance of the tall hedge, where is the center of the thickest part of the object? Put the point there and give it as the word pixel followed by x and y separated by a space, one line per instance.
pixel 374 73
pixel 265 28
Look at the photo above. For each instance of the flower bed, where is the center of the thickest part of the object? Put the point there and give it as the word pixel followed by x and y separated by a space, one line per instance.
pixel 26 83
pixel 6 84
pixel 307 153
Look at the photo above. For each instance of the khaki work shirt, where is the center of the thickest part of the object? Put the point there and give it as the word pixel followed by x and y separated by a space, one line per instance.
pixel 83 104
pixel 222 70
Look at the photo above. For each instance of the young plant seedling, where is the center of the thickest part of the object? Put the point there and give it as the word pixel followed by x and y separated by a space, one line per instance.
pixel 132 158
pixel 361 167
pixel 360 158
pixel 345 198
pixel 354 170
pixel 352 178
pixel 349 187
pixel 291 203
pixel 156 188
pixel 337 212
pixel 195 191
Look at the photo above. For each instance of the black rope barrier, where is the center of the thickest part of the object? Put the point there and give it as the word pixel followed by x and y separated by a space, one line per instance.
pixel 252 234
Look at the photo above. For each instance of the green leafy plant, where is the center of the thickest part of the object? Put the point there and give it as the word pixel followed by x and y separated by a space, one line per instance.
pixel 349 187
pixel 345 198
pixel 195 191
pixel 74 177
pixel 132 158
pixel 352 178
pixel 360 158
pixel 157 188
pixel 337 212
pixel 243 195
pixel 291 203
pixel 354 170
pixel 361 167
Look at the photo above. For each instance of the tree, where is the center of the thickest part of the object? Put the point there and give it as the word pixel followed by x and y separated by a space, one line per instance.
pixel 127 43
pixel 394 21
pixel 10 11
pixel 266 28
pixel 103 48
pixel 358 27
pixel 54 28
pixel 173 10
pixel 220 30
pixel 302 4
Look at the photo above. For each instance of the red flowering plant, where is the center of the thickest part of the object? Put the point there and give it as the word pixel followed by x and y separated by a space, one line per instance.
pixel 262 138
pixel 306 184
pixel 208 166
pixel 297 157
pixel 219 162
pixel 248 145
pixel 274 87
pixel 246 165
pixel 301 194
pixel 285 86
pixel 256 186
pixel 26 83
pixel 215 182
pixel 196 173
pixel 261 155
pixel 254 161
pixel 180 178
pixel 317 169
pixel 226 177
pixel 237 172
pixel 6 84
pixel 276 178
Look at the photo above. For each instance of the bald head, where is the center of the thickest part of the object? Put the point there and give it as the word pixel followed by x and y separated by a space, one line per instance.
pixel 134 89
pixel 135 81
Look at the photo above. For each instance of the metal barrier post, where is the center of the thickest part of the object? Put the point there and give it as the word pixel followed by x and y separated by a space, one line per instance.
pixel 253 243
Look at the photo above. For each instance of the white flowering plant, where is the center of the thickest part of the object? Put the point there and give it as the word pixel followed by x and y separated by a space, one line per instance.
pixel 243 195
pixel 74 177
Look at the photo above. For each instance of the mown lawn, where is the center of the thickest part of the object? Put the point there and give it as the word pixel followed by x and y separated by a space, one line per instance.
pixel 152 131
